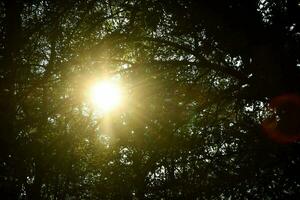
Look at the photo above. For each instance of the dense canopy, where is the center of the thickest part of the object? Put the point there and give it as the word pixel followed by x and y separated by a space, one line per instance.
pixel 210 105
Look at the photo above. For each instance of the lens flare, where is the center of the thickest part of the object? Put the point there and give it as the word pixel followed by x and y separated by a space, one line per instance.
pixel 284 125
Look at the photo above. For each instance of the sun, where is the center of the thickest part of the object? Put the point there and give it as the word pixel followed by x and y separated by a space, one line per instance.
pixel 106 95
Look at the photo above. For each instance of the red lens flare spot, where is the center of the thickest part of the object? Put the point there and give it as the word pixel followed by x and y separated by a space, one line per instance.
pixel 284 126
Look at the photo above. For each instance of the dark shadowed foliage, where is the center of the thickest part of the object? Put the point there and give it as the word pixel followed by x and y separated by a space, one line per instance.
pixel 212 108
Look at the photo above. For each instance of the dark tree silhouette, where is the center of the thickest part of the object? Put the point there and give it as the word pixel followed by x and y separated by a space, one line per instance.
pixel 212 106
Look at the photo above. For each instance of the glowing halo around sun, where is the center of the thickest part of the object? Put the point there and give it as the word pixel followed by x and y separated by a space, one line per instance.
pixel 105 95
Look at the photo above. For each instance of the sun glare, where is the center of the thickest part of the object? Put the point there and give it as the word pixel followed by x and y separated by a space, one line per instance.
pixel 105 95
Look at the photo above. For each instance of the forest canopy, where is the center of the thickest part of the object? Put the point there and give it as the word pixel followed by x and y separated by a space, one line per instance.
pixel 149 99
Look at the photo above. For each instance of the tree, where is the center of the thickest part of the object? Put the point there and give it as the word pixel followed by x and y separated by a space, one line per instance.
pixel 200 76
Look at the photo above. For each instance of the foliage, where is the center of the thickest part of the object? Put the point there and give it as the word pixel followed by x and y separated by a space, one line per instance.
pixel 199 77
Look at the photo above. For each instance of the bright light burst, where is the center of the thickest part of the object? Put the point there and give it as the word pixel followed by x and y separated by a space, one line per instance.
pixel 106 95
